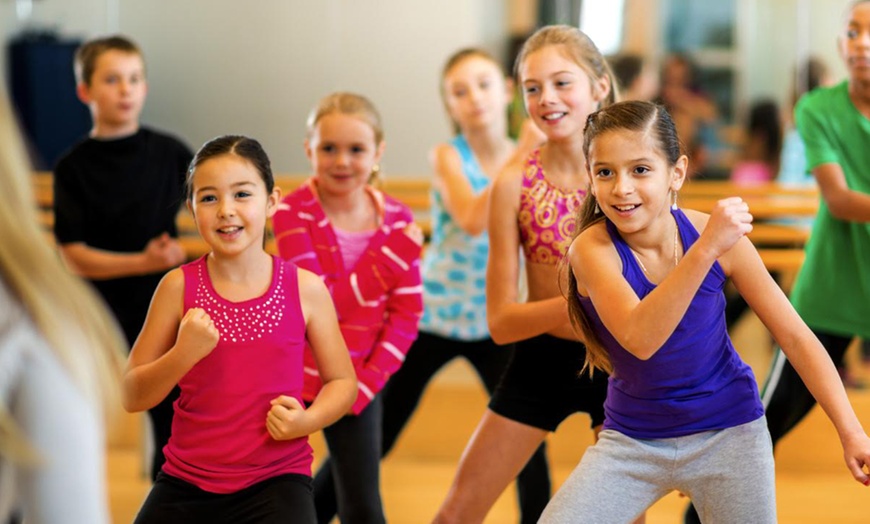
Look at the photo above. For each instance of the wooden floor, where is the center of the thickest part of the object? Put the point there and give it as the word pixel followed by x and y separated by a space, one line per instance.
pixel 813 485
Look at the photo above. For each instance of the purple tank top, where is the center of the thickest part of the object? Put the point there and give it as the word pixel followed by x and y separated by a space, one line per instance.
pixel 696 382
pixel 219 439
pixel 547 215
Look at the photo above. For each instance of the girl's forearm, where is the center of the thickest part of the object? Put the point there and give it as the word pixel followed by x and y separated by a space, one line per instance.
pixel 333 402
pixel 521 321
pixel 147 385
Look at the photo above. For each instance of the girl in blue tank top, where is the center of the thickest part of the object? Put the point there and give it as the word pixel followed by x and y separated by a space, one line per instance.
pixel 646 285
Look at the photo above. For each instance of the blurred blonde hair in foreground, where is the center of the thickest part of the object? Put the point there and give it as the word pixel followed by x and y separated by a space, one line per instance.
pixel 66 313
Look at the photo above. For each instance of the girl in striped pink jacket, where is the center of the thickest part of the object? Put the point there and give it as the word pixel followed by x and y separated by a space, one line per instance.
pixel 367 249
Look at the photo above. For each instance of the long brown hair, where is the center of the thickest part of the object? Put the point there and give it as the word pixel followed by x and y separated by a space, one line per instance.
pixel 634 115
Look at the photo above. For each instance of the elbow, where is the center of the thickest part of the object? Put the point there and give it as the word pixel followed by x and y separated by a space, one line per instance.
pixel 838 205
pixel 500 334
pixel 472 226
pixel 839 211
pixel 131 405
pixel 130 401
pixel 642 349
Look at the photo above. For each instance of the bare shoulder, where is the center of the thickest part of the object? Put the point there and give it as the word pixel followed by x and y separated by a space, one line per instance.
pixel 591 243
pixel 310 284
pixel 172 283
pixel 508 182
pixel 697 218
pixel 442 154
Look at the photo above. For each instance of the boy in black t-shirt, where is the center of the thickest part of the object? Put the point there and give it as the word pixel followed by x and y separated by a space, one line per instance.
pixel 116 194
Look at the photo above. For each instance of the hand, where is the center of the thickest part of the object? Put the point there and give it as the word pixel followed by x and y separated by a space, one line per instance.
pixel 286 417
pixel 414 232
pixel 163 252
pixel 729 222
pixel 197 334
pixel 857 454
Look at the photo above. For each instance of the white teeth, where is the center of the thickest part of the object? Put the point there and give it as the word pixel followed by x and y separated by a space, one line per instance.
pixel 625 208
pixel 553 116
pixel 232 229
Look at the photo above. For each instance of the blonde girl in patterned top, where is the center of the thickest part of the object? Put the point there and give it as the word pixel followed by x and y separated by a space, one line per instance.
pixel 563 78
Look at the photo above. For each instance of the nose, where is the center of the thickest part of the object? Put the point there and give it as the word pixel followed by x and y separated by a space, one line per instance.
pixel 623 185
pixel 547 95
pixel 474 95
pixel 226 208
pixel 342 158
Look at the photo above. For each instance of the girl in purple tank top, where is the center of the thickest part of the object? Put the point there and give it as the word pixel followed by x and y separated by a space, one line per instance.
pixel 682 409
pixel 230 329
pixel 564 78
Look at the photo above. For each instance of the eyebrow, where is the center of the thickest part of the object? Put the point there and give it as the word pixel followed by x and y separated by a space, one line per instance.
pixel 641 160
pixel 237 184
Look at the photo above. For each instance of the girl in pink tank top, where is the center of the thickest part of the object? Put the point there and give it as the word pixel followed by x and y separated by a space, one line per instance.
pixel 230 329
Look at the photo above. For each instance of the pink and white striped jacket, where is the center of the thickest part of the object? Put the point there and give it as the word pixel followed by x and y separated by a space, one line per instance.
pixel 379 300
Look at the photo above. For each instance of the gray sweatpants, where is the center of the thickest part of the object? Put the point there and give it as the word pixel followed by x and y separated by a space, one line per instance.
pixel 728 474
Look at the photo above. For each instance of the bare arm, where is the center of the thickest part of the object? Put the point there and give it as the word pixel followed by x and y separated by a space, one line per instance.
pixel 803 349
pixel 468 210
pixel 161 253
pixel 510 320
pixel 643 326
pixel 168 346
pixel 844 203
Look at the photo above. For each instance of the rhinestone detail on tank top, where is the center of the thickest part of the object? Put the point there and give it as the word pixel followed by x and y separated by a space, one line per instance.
pixel 243 323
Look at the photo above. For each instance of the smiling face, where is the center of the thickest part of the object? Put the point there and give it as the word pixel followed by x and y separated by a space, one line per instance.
pixel 343 150
pixel 115 92
pixel 230 203
pixel 476 93
pixel 631 179
pixel 855 42
pixel 558 93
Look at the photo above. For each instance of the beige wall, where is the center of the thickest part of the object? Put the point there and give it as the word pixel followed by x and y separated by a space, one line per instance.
pixel 221 66
pixel 226 66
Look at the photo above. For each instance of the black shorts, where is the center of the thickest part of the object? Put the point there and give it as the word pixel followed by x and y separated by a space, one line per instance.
pixel 542 384
pixel 285 499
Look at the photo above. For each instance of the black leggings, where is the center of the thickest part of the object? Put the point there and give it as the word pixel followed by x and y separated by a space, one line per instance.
pixel 785 397
pixel 285 499
pixel 402 394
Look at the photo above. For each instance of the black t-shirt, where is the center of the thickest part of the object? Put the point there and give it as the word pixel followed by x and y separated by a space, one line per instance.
pixel 117 195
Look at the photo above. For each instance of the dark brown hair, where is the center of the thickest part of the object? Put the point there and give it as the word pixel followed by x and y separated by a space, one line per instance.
pixel 238 145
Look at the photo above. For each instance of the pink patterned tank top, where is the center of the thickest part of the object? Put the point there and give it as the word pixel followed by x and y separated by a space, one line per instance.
pixel 547 216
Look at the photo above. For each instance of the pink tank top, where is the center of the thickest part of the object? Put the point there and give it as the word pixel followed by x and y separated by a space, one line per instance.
pixel 547 216
pixel 219 439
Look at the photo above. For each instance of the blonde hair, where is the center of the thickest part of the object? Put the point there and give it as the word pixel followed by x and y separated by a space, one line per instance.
pixel 350 104
pixel 577 47
pixel 70 317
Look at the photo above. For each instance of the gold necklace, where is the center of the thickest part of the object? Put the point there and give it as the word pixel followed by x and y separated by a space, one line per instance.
pixel 676 250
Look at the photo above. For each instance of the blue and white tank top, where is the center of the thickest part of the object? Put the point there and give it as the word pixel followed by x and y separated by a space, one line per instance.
pixel 454 266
